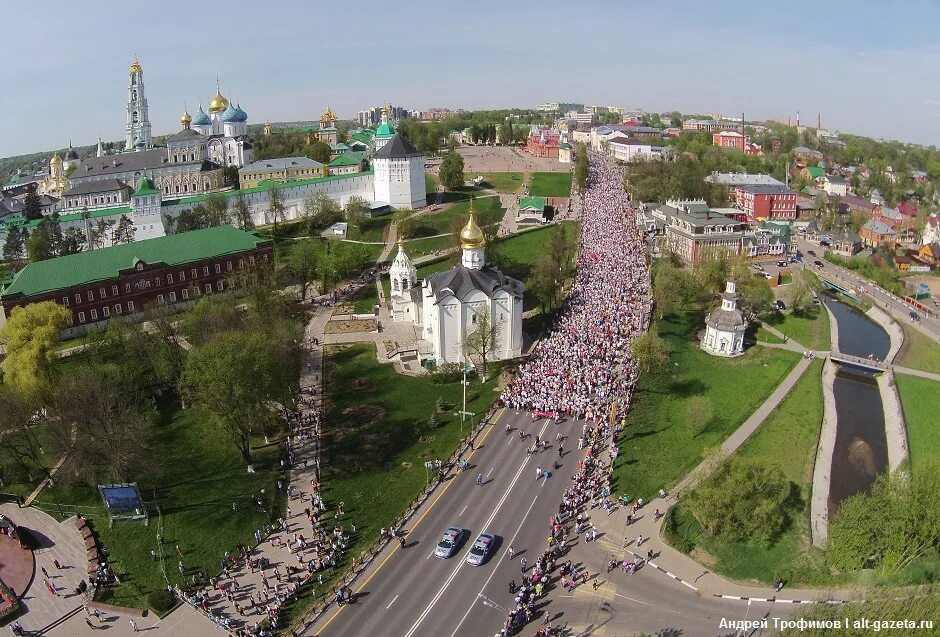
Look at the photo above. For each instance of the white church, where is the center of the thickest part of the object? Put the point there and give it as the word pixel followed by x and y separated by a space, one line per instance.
pixel 447 305
pixel 725 326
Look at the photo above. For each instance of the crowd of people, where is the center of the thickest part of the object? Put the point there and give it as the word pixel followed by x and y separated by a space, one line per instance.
pixel 584 365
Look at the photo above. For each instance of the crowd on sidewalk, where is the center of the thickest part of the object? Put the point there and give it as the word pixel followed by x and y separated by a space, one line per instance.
pixel 584 365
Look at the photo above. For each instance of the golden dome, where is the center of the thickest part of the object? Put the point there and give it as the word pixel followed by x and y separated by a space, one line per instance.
pixel 55 159
pixel 135 66
pixel 218 103
pixel 471 236
pixel 186 119
pixel 328 115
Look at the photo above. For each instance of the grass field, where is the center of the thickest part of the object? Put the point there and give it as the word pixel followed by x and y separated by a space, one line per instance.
pixel 487 210
pixel 918 351
pixel 550 185
pixel 788 440
pixel 430 183
pixel 919 400
pixel 422 247
pixel 504 182
pixel 202 476
pixel 810 327
pixel 657 448
pixel 765 336
pixel 372 230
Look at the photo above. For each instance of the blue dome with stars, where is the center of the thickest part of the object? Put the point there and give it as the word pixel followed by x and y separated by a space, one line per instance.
pixel 201 118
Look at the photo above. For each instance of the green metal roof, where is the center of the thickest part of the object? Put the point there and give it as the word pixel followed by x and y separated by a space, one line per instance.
pixel 351 158
pixel 529 203
pixel 62 273
pixel 145 188
pixel 815 171
pixel 339 146
pixel 385 130
pixel 565 145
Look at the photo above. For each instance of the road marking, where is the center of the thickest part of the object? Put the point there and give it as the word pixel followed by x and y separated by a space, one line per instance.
pixel 391 602
pixel 490 473
pixel 413 526
pixel 462 510
pixel 631 599
pixel 456 570
pixel 512 541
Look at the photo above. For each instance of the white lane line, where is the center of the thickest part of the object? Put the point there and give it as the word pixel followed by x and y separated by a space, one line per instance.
pixel 631 599
pixel 462 510
pixel 429 555
pixel 502 557
pixel 391 602
pixel 491 472
pixel 456 570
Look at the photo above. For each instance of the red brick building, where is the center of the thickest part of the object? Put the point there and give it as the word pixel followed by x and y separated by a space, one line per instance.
pixel 544 142
pixel 124 280
pixel 763 202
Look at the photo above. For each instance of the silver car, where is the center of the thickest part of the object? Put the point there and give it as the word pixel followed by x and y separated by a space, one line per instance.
pixel 481 549
pixel 450 542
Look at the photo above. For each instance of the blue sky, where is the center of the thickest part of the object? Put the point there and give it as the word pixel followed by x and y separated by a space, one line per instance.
pixel 868 69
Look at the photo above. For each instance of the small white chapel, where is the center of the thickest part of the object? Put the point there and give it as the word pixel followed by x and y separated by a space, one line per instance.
pixel 725 326
pixel 446 305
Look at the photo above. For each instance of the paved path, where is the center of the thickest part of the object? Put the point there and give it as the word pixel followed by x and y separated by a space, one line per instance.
pixel 916 372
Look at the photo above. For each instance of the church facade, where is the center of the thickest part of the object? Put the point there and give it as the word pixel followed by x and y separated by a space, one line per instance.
pixel 450 306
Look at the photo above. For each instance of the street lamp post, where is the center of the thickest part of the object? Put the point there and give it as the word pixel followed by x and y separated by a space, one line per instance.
pixel 488 602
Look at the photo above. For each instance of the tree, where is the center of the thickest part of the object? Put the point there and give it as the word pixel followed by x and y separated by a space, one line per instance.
pixel 319 151
pixel 21 446
pixel 234 377
pixel 743 501
pixel 482 340
pixel 189 219
pixel 404 224
pixel 673 287
pixel 32 204
pixel 230 175
pixel 241 213
pixel 29 335
pixel 802 288
pixel 894 524
pixel 43 243
pixel 302 265
pixel 581 167
pixel 357 212
pixel 275 208
pixel 73 241
pixel 99 233
pixel 545 282
pixel 320 211
pixel 651 353
pixel 757 299
pixel 699 414
pixel 124 231
pixel 451 171
pixel 101 431
pixel 14 247
pixel 216 210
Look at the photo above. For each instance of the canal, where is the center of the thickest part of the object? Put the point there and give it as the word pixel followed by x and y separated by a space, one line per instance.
pixel 861 448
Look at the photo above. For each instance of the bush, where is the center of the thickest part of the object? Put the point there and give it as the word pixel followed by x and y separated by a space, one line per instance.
pixel 447 373
pixel 161 601
pixel 671 533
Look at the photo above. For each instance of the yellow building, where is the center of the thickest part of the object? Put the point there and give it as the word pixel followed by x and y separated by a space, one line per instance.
pixel 280 169
pixel 56 183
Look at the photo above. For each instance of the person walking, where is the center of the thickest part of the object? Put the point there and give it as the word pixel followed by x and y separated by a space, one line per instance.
pixel 538 472
pixel 480 479
pixel 133 625
pixel 512 552
pixel 522 563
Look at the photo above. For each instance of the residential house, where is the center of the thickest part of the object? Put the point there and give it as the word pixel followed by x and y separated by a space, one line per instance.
pixel 834 185
pixel 761 202
pixel 932 229
pixel 844 242
pixel 875 233
pixel 930 253
pixel 813 172
pixel 907 209
pixel 876 197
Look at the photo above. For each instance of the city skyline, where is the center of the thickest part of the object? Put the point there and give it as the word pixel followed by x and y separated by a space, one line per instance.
pixel 862 70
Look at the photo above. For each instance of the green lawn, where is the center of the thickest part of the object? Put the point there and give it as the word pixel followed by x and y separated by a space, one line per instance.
pixel 201 475
pixel 657 448
pixel 919 400
pixel 810 327
pixel 504 182
pixel 422 247
pixel 550 185
pixel 918 351
pixel 372 230
pixel 487 210
pixel 765 336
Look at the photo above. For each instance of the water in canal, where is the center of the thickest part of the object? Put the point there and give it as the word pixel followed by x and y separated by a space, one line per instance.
pixel 861 449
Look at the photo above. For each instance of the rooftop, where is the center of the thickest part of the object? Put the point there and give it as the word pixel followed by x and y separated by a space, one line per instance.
pixel 279 164
pixel 65 272
pixel 743 179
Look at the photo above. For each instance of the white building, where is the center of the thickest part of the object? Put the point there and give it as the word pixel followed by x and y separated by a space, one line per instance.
pixel 834 185
pixel 448 305
pixel 399 174
pixel 630 149
pixel 137 129
pixel 724 327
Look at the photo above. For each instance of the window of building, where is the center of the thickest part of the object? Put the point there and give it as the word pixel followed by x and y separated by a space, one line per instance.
pixel 251 259
pixel 172 297
pixel 228 266
pixel 68 319
pixel 197 291
pixel 169 278
pixel 194 273
pixel 65 301
pixel 160 299
pixel 208 288
pixel 114 290
pixel 94 315
pixel 127 287
pixel 101 293
pixel 182 275
pixel 219 286
pixel 205 270
pixel 78 299
pixel 130 306
pixel 90 295
pixel 184 294
pixel 218 268
pixel 118 308
pixel 156 281
pixel 81 317
pixel 106 311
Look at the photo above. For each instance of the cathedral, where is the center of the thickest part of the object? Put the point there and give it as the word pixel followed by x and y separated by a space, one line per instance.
pixel 448 305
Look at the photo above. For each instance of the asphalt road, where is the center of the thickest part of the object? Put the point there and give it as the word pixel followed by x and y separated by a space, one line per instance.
pixel 410 592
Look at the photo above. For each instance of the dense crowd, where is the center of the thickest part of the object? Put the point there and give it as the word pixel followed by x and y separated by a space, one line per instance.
pixel 584 365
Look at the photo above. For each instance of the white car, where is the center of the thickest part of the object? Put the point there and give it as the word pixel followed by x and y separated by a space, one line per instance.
pixel 481 549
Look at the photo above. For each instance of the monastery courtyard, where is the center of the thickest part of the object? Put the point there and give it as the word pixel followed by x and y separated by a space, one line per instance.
pixel 497 159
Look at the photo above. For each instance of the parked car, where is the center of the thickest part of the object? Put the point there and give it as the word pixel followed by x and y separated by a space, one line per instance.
pixel 450 542
pixel 811 253
pixel 818 264
pixel 914 316
pixel 781 264
pixel 780 305
pixel 768 276
pixel 481 549
pixel 758 266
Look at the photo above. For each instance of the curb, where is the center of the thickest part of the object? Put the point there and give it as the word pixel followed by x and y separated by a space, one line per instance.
pixel 833 602
pixel 660 568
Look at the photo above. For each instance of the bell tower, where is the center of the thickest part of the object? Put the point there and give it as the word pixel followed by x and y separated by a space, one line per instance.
pixel 137 131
